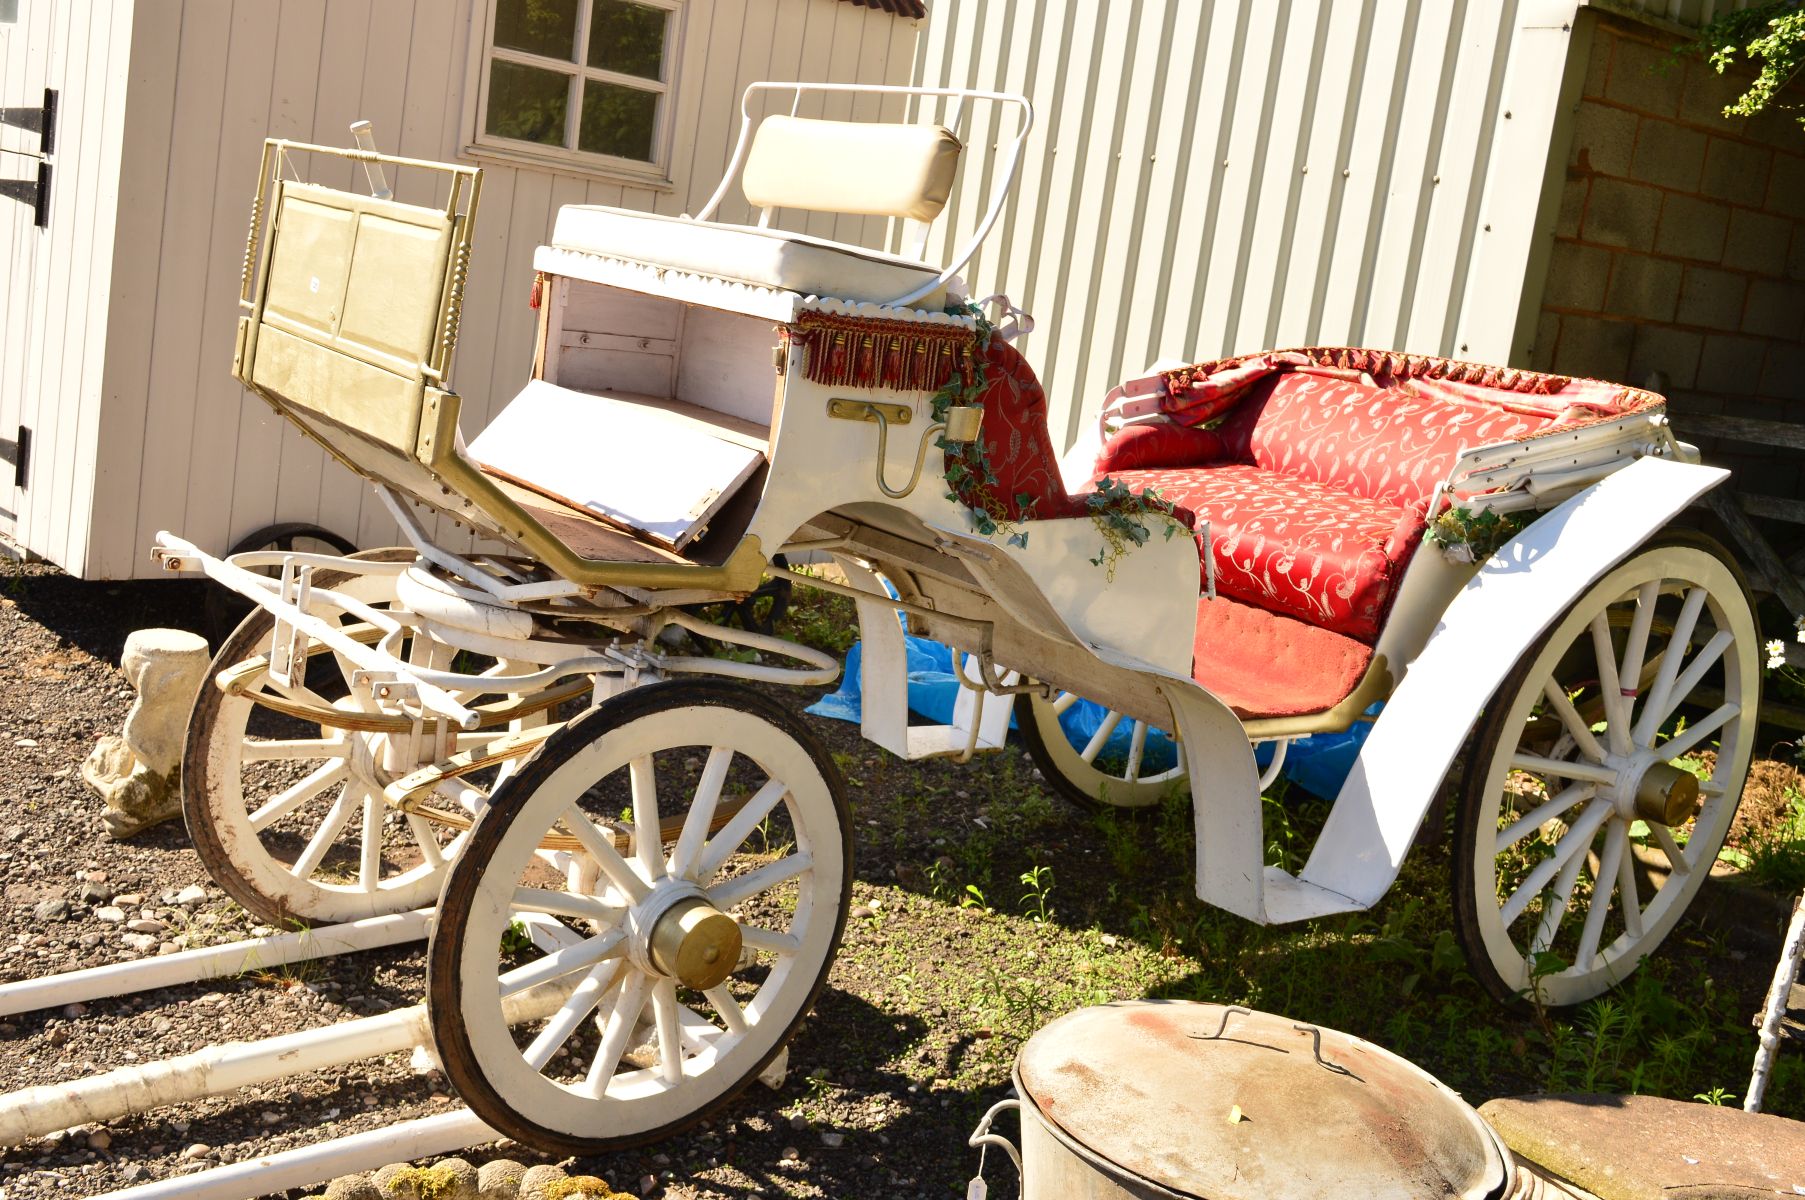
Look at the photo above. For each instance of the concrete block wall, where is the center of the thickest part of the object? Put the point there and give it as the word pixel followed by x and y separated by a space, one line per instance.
pixel 1680 245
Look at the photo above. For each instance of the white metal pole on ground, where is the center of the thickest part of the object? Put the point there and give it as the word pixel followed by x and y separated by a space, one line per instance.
pixel 213 962
pixel 35 1111
pixel 307 1166
pixel 1786 973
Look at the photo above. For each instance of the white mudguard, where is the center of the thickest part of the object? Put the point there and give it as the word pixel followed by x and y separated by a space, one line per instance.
pixel 1495 618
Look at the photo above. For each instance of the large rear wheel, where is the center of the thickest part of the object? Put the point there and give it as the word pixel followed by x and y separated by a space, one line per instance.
pixel 1605 774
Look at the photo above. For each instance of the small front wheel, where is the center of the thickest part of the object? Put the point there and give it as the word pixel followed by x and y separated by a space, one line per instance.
pixel 1105 760
pixel 641 917
pixel 1605 775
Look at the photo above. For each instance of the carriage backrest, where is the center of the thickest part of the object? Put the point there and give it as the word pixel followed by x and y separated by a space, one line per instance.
pixel 872 169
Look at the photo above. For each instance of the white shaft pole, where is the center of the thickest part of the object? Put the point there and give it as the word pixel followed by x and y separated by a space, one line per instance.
pixel 307 1166
pixel 35 1111
pixel 212 962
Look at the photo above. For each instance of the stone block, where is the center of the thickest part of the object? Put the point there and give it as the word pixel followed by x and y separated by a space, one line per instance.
pixel 1786 186
pixel 1604 139
pixel 1757 242
pixel 1736 171
pixel 138 773
pixel 1573 206
pixel 1712 298
pixel 1781 377
pixel 1706 94
pixel 1672 354
pixel 1645 288
pixel 1692 228
pixel 1598 66
pixel 1731 364
pixel 1576 277
pixel 1670 155
pixel 1642 78
pixel 1619 213
pixel 1594 347
pixel 1775 309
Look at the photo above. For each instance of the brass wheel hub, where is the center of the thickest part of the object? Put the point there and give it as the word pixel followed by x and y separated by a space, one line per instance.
pixel 677 934
pixel 1650 789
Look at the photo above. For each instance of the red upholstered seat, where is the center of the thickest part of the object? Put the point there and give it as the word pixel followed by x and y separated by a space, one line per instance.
pixel 1291 545
pixel 1262 664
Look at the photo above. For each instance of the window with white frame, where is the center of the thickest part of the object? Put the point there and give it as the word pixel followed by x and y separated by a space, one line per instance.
pixel 582 80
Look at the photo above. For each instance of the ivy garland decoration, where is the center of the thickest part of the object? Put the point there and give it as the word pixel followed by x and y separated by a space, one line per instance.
pixel 1120 515
pixel 1466 537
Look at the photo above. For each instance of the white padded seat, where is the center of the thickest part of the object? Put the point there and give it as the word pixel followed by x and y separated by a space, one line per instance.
pixel 772 258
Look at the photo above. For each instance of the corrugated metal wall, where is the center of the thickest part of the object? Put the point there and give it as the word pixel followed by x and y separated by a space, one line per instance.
pixel 183 447
pixel 1211 176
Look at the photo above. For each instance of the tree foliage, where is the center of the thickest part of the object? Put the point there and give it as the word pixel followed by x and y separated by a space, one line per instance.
pixel 1771 37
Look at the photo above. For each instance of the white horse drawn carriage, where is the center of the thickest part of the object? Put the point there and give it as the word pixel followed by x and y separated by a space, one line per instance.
pixel 641 861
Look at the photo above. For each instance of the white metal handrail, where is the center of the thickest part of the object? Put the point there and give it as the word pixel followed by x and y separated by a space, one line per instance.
pixel 999 194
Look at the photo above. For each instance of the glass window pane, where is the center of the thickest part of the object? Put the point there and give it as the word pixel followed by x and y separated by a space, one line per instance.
pixel 547 27
pixel 618 120
pixel 527 103
pixel 628 38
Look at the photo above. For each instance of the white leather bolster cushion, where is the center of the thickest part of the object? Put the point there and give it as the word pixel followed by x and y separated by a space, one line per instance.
pixel 851 167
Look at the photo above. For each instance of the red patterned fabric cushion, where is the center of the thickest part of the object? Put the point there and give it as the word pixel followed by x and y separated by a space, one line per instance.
pixel 1294 545
pixel 1018 449
pixel 1262 664
pixel 1389 445
pixel 1159 444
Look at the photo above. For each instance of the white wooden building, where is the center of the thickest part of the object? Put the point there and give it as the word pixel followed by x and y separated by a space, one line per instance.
pixel 1205 176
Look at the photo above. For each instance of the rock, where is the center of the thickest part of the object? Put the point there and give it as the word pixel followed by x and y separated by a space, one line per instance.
pixel 798 1122
pixel 145 925
pixel 832 1140
pixel 143 943
pixel 138 772
pixel 109 914
pixel 452 1179
pixel 499 1180
pixel 54 909
pixel 861 912
pixel 197 1152
pixel 193 894
pixel 352 1187
pixel 384 1177
pixel 72 1011
pixel 100 1139
pixel 129 899
pixel 535 1180
pixel 272 1118
pixel 91 892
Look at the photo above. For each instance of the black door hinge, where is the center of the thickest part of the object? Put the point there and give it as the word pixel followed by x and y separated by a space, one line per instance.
pixel 40 120
pixel 18 453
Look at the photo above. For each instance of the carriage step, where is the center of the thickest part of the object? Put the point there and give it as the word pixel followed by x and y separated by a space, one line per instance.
pixel 1289 898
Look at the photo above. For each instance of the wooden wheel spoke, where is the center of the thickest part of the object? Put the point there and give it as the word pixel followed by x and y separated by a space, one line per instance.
pixel 1677 857
pixel 701 812
pixel 1626 892
pixel 1065 701
pixel 1603 885
pixel 297 794
pixel 1523 826
pixel 1655 704
pixel 670 1036
pixel 724 844
pixel 1572 721
pixel 314 852
pixel 1635 646
pixel 743 887
pixel 570 1014
pixel 648 834
pixel 563 962
pixel 1616 717
pixel 1137 748
pixel 426 839
pixel 732 1015
pixel 369 868
pixel 600 847
pixel 567 904
pixel 1098 739
pixel 1689 679
pixel 1577 838
pixel 619 1026
pixel 1699 731
pixel 770 941
pixel 1536 764
pixel 1554 911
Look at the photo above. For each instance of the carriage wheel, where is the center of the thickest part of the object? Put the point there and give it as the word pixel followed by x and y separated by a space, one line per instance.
pixel 660 890
pixel 288 816
pixel 1082 770
pixel 1605 774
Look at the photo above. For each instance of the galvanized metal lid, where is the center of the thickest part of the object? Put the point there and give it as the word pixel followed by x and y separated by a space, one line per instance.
pixel 1229 1104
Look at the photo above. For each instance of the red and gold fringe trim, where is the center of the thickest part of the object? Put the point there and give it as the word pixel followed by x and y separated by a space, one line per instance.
pixel 842 351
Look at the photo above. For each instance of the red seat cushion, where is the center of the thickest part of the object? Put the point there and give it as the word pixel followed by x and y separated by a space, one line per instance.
pixel 1262 664
pixel 1293 545
pixel 1023 483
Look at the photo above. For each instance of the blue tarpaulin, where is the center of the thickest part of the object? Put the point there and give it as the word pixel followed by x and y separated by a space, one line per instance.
pixel 1318 764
